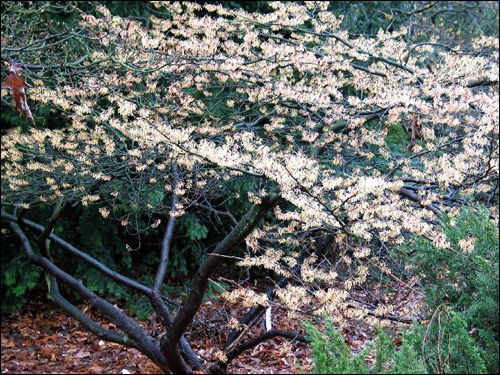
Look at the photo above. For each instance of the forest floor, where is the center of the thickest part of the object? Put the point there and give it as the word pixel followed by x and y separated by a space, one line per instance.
pixel 43 339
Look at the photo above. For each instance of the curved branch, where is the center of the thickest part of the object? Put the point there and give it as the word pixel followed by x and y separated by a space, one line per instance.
pixel 63 303
pixel 167 238
pixel 87 322
pixel 143 342
pixel 160 307
pixel 113 275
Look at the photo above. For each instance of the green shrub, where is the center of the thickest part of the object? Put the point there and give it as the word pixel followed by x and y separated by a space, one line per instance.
pixel 461 287
pixel 466 281
pixel 18 278
pixel 407 359
pixel 444 346
pixel 331 355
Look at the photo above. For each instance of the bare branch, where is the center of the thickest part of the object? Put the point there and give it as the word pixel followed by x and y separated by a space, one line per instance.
pixel 200 281
pixel 167 238
pixel 141 340
pixel 113 275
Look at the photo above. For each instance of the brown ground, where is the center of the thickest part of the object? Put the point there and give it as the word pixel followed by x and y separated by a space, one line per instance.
pixel 43 339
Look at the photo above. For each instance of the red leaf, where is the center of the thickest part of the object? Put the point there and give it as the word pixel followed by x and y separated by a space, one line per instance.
pixel 17 87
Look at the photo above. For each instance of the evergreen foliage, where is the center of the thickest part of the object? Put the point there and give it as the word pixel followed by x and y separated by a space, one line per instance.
pixel 444 347
pixel 18 278
pixel 462 292
pixel 465 280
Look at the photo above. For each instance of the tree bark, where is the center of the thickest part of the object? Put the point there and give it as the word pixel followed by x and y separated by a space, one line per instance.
pixel 169 342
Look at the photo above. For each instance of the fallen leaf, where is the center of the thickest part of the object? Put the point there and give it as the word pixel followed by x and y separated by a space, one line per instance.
pixel 96 368
pixel 82 354
pixel 8 344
